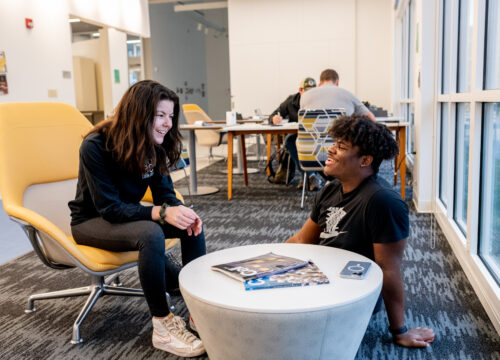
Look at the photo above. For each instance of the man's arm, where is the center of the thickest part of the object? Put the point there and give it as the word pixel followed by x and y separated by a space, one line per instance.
pixel 370 115
pixel 389 256
pixel 309 234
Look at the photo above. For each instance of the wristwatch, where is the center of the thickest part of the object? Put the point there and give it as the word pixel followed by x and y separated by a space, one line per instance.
pixel 399 331
pixel 162 213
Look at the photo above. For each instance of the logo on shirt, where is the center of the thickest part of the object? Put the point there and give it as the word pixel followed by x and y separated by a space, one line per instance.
pixel 334 215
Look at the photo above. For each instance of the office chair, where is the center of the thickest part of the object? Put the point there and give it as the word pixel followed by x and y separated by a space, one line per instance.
pixel 313 140
pixel 39 147
pixel 210 138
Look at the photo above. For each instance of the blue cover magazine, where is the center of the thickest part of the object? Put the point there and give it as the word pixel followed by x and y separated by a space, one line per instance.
pixel 304 276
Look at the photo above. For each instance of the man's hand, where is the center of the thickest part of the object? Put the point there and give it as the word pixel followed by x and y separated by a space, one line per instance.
pixel 277 119
pixel 417 337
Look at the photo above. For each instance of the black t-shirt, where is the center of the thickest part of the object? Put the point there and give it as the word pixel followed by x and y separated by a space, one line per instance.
pixel 372 213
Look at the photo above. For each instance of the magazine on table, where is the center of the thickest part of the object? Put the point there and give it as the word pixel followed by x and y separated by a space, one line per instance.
pixel 259 266
pixel 304 276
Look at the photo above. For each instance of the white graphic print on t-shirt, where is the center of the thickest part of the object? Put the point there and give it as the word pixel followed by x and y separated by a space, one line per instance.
pixel 335 214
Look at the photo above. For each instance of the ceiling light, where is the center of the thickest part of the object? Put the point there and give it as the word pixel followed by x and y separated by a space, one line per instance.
pixel 73 20
pixel 96 35
pixel 133 41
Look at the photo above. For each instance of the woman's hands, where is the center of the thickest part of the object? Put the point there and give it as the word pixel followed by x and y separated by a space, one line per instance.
pixel 181 217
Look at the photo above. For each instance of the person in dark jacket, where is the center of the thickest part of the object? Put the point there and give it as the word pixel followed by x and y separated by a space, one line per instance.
pixel 119 159
pixel 289 109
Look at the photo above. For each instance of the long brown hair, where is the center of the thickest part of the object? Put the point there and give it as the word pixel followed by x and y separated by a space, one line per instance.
pixel 129 130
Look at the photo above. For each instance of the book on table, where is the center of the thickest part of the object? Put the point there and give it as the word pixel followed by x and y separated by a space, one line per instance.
pixel 259 266
pixel 303 276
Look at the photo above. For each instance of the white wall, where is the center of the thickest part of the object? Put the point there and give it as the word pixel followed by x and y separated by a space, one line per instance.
pixel 36 58
pixel 374 68
pixel 131 16
pixel 274 44
pixel 117 44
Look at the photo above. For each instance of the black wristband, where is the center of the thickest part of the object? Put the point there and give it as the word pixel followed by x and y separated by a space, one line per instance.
pixel 162 213
pixel 399 331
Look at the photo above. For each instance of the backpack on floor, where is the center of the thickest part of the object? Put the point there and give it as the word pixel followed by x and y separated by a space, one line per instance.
pixel 279 165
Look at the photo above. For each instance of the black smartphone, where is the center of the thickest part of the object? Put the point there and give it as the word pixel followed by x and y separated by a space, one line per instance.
pixel 355 270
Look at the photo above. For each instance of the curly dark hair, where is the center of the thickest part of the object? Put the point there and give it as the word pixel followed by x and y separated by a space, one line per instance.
pixel 371 138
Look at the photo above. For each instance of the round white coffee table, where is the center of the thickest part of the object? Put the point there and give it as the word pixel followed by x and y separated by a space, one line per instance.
pixel 311 322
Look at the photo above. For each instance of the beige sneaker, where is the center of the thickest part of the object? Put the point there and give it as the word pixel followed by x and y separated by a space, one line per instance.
pixel 170 334
pixel 192 325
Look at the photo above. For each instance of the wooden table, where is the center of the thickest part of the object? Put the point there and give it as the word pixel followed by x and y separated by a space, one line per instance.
pixel 400 160
pixel 248 129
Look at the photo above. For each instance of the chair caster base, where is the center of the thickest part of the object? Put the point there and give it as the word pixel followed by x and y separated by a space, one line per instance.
pixel 29 311
pixel 76 342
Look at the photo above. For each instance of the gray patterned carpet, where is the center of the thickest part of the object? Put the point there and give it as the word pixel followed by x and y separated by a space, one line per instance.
pixel 438 293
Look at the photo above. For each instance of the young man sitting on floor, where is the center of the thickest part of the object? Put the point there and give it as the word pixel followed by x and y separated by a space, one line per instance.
pixel 360 213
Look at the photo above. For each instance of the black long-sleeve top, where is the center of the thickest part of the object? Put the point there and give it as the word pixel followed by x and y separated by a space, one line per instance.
pixel 288 109
pixel 105 189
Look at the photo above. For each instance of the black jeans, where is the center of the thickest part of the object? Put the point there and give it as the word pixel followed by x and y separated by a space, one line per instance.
pixel 148 237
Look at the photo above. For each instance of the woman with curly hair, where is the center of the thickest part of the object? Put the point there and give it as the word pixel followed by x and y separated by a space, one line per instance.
pixel 361 213
pixel 119 159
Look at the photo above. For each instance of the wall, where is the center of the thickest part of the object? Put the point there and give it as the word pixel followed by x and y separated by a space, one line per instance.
pixel 36 58
pixel 178 54
pixel 217 57
pixel 131 16
pixel 91 49
pixel 32 68
pixel 273 46
pixel 374 52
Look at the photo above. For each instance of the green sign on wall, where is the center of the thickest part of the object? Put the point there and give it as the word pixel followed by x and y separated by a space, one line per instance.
pixel 117 76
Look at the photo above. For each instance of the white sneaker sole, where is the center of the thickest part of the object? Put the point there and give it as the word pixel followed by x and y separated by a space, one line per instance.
pixel 179 352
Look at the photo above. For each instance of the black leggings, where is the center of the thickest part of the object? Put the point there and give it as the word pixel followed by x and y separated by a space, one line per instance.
pixel 148 237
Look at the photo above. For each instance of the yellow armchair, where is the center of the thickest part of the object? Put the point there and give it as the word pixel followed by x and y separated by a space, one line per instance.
pixel 39 146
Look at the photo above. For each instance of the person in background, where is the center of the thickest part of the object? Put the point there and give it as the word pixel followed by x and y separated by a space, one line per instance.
pixel 359 212
pixel 119 159
pixel 328 95
pixel 289 109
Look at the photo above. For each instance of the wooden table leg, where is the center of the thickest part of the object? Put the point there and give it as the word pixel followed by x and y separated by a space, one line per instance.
pixel 269 144
pixel 244 158
pixel 229 165
pixel 402 166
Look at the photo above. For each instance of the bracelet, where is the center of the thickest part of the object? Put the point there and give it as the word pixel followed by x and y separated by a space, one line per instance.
pixel 399 331
pixel 162 213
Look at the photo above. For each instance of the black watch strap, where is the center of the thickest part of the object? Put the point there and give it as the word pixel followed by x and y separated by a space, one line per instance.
pixel 162 213
pixel 399 331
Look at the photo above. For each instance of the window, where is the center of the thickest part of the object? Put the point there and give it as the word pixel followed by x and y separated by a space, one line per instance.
pixel 489 230
pixel 492 68
pixel 446 46
pixel 443 155
pixel 466 23
pixel 462 165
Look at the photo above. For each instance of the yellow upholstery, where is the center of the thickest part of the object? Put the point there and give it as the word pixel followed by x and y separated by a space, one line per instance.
pixel 39 143
pixel 193 113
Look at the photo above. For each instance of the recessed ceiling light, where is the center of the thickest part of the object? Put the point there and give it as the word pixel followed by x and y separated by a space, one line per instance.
pixel 74 20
